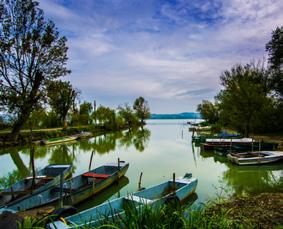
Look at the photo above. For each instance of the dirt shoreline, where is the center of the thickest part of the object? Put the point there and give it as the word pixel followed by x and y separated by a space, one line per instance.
pixel 264 210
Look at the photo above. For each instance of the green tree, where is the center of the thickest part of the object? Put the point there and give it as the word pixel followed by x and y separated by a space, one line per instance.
pixel 128 115
pixel 84 114
pixel 105 117
pixel 275 51
pixel 31 54
pixel 209 111
pixel 244 97
pixel 141 108
pixel 61 98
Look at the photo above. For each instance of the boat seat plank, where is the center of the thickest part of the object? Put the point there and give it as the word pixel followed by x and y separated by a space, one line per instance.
pixel 139 199
pixel 40 178
pixel 96 175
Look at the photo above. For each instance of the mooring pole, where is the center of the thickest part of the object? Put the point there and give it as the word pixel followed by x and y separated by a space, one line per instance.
pixel 174 183
pixel 139 187
pixel 32 166
pixel 118 163
pixel 90 162
pixel 61 190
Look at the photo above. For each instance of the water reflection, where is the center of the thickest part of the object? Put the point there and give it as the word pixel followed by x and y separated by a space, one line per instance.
pixel 66 153
pixel 246 180
pixel 254 179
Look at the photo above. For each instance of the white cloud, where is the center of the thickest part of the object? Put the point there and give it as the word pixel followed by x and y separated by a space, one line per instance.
pixel 127 51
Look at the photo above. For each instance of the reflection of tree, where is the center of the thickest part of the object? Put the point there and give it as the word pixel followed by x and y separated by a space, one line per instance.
pixel 40 151
pixel 62 154
pixel 23 170
pixel 136 137
pixel 141 139
pixel 253 179
pixel 104 144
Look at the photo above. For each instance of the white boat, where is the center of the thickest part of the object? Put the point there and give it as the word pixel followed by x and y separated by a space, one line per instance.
pixel 157 195
pixel 229 140
pixel 256 157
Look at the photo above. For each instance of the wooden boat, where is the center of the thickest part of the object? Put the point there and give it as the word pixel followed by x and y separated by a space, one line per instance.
pixel 44 179
pixel 154 196
pixel 223 150
pixel 59 140
pixel 74 190
pixel 99 198
pixel 237 145
pixel 229 140
pixel 254 158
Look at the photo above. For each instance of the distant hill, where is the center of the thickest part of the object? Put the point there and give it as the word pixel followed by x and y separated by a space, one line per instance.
pixel 185 115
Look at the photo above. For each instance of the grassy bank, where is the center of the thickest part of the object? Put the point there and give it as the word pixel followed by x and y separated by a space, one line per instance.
pixel 41 134
pixel 261 211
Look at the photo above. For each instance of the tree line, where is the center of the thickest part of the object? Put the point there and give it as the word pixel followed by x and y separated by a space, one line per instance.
pixel 33 58
pixel 251 99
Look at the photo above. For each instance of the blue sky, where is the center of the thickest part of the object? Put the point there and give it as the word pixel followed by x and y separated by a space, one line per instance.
pixel 170 52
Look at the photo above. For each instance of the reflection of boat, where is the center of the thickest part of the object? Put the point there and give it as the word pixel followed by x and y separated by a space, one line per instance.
pixel 155 196
pixel 44 179
pixel 253 158
pixel 59 140
pixel 76 189
pixel 84 134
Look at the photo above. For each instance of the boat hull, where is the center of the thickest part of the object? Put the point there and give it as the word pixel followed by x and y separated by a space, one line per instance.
pixel 77 197
pixel 73 191
pixel 51 171
pixel 268 157
pixel 154 196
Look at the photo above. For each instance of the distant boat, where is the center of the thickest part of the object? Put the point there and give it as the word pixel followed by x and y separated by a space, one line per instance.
pixel 229 140
pixel 255 158
pixel 223 145
pixel 74 190
pixel 157 195
pixel 200 128
pixel 44 179
pixel 59 140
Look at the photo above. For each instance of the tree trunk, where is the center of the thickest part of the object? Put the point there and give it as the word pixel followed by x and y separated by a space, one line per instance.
pixel 65 124
pixel 30 102
pixel 18 125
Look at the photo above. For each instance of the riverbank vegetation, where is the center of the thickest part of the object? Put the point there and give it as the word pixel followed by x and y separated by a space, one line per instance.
pixel 244 212
pixel 251 97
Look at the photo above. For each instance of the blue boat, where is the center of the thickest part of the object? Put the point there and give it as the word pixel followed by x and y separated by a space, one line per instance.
pixel 43 180
pixel 157 195
pixel 73 191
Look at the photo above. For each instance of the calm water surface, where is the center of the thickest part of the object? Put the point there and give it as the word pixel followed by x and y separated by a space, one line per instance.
pixel 162 148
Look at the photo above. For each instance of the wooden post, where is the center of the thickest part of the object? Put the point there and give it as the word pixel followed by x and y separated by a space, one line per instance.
pixel 90 162
pixel 174 183
pixel 139 186
pixel 32 166
pixel 61 190
pixel 231 146
pixel 118 163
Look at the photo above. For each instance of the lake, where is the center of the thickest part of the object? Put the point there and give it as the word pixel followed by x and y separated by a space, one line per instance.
pixel 164 147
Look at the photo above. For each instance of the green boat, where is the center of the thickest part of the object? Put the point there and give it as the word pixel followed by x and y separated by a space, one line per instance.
pixel 73 191
pixel 43 180
pixel 180 190
pixel 59 140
